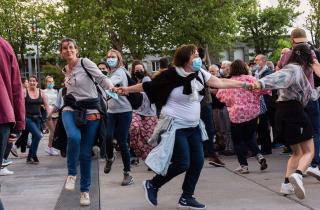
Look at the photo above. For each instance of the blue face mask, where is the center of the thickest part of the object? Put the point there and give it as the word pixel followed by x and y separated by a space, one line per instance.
pixel 50 86
pixel 112 62
pixel 196 64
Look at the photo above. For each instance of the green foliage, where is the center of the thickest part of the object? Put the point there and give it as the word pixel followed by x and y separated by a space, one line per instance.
pixel 281 43
pixel 313 22
pixel 53 71
pixel 262 28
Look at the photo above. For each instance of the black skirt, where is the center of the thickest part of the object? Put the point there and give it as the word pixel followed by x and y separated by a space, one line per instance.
pixel 292 124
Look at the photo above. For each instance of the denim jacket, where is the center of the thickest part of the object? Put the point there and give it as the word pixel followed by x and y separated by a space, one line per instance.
pixel 164 135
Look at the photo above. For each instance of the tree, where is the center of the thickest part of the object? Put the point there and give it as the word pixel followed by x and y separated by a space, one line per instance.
pixel 262 28
pixel 313 22
pixel 281 43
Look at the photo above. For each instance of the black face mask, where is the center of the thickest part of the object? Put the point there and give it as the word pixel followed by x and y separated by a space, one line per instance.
pixel 139 74
pixel 105 73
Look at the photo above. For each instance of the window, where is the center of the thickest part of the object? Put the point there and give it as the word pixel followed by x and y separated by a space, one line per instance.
pixel 155 65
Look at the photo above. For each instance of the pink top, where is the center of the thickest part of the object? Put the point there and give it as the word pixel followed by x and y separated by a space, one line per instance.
pixel 12 108
pixel 242 105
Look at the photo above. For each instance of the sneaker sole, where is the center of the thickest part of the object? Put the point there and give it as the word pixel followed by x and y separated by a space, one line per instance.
pixel 216 164
pixel 310 173
pixel 189 207
pixel 85 204
pixel 146 193
pixel 297 189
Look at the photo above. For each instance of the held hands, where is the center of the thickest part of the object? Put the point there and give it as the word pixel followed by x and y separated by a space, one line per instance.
pixel 120 90
pixel 252 86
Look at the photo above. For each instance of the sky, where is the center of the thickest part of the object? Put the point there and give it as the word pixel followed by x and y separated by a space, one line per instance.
pixel 300 20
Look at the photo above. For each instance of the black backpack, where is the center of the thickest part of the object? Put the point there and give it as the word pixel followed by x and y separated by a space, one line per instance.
pixel 135 99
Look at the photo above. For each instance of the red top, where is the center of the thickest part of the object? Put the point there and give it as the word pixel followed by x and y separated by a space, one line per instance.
pixel 12 107
pixel 242 105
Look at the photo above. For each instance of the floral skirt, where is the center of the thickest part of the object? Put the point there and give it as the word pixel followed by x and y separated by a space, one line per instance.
pixel 141 130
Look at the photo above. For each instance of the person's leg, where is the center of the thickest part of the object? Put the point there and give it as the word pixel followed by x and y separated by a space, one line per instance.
pixel 264 134
pixel 7 151
pixel 196 163
pixel 250 136
pixel 33 126
pixel 227 130
pixel 293 161
pixel 4 136
pixel 122 128
pixel 313 113
pixel 180 161
pixel 51 123
pixel 88 137
pixel 237 133
pixel 111 121
pixel 135 134
pixel 149 123
pixel 74 138
pixel 307 148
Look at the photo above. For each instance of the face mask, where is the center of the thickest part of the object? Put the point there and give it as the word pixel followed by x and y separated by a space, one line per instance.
pixel 112 62
pixel 196 64
pixel 139 74
pixel 105 73
pixel 221 72
pixel 50 86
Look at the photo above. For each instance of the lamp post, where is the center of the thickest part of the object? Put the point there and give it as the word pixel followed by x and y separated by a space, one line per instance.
pixel 35 29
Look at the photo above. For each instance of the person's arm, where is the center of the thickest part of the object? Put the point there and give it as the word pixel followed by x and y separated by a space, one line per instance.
pixel 131 89
pixel 18 95
pixel 219 83
pixel 45 101
pixel 95 72
pixel 278 80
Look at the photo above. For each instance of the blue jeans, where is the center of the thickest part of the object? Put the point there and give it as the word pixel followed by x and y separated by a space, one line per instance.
pixel 34 127
pixel 79 148
pixel 187 157
pixel 118 125
pixel 206 116
pixel 4 136
pixel 312 109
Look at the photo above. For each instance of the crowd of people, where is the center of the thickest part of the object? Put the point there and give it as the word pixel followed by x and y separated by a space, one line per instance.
pixel 187 111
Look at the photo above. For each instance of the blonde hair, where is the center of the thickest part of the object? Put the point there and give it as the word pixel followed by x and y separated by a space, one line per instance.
pixel 119 56
pixel 46 79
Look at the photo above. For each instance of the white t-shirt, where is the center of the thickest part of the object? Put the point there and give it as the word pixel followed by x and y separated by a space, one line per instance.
pixel 181 106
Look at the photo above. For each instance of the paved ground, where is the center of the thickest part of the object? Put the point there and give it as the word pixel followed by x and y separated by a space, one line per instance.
pixel 38 187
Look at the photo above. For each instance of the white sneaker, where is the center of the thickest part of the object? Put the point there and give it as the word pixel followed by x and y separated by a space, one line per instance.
pixel 51 151
pixel 296 180
pixel 286 189
pixel 242 170
pixel 84 199
pixel 313 171
pixel 5 172
pixel 70 183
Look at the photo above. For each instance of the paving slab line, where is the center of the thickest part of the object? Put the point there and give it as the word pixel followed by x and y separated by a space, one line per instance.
pixel 70 200
pixel 271 190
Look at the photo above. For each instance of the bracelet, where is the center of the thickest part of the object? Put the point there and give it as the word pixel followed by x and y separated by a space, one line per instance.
pixel 245 85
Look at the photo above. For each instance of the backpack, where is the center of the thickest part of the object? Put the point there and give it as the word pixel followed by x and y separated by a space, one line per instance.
pixel 135 99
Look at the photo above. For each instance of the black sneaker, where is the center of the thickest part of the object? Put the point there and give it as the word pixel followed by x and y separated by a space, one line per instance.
pixel 190 203
pixel 151 193
pixel 29 160
pixel 107 167
pixel 263 164
pixel 35 160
